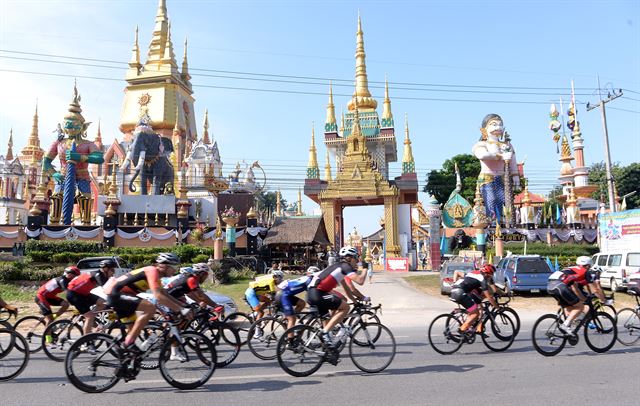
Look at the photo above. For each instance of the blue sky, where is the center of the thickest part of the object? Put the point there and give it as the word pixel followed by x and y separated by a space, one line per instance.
pixel 525 52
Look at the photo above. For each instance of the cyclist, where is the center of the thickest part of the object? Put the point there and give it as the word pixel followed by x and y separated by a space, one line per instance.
pixel 187 283
pixel 13 310
pixel 323 283
pixel 121 294
pixel 79 291
pixel 286 297
pixel 260 294
pixel 566 287
pixel 471 290
pixel 47 295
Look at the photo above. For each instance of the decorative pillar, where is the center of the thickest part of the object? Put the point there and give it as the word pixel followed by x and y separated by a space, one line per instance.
pixel 498 243
pixel 391 226
pixel 480 221
pixel 217 242
pixel 328 213
pixel 252 240
pixel 230 236
pixel 182 206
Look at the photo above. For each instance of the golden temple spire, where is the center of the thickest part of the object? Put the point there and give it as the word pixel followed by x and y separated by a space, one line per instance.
pixel 205 131
pixel 330 122
pixel 185 64
pixel 98 139
pixel 356 142
pixel 327 169
pixel 134 63
pixel 313 172
pixel 278 204
pixel 159 38
pixel 386 111
pixel 299 211
pixel 169 57
pixel 342 122
pixel 9 156
pixel 408 163
pixel 526 199
pixel 32 151
pixel 361 96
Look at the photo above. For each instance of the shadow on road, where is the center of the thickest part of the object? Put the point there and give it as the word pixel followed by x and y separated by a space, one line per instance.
pixel 212 386
pixel 421 370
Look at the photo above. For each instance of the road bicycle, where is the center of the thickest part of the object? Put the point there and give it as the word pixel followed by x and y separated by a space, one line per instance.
pixel 97 361
pixel 13 357
pixel 599 328
pixel 221 333
pixel 628 322
pixel 302 350
pixel 242 321
pixel 32 328
pixel 497 333
pixel 503 305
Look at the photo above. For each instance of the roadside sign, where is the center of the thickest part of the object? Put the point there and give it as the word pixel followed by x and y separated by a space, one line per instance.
pixel 397 265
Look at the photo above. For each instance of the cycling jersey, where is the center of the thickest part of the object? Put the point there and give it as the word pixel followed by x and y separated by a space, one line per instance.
pixel 138 281
pixel 179 285
pixel 83 283
pixel 473 282
pixel 263 284
pixel 53 287
pixel 295 286
pixel 575 274
pixel 329 278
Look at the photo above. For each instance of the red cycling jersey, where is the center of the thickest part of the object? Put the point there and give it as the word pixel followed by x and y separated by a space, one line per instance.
pixel 575 274
pixel 51 288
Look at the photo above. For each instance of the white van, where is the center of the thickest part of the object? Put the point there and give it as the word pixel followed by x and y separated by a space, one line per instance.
pixel 616 268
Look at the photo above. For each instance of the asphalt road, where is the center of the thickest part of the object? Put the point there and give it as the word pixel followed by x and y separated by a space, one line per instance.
pixel 417 376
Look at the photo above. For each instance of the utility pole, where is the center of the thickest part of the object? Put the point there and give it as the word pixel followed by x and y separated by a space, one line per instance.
pixel 601 104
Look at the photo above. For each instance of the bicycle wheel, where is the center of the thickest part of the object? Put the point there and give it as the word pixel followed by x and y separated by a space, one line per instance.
pixel 367 316
pixel 264 335
pixel 226 340
pixel 600 332
pixel 302 354
pixel 628 325
pixel 93 363
pixel 498 333
pixel 5 315
pixel 443 334
pixel 371 355
pixel 547 339
pixel 12 360
pixel 514 318
pixel 62 334
pixel 609 309
pixel 193 363
pixel 32 329
pixel 242 323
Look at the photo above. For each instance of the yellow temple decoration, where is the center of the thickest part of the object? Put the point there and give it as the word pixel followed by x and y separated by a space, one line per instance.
pixel 313 172
pixel 361 97
pixel 408 163
pixel 386 109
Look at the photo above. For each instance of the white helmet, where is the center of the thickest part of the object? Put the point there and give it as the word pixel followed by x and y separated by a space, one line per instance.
pixel 583 261
pixel 312 269
pixel 348 252
pixel 277 273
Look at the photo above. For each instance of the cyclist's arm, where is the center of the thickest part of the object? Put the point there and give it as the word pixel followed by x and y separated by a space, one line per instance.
pixel 359 277
pixel 489 296
pixel 353 288
pixel 199 296
pixel 161 295
pixel 578 292
pixel 347 290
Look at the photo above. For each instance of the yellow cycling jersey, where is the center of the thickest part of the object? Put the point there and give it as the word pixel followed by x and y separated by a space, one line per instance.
pixel 263 284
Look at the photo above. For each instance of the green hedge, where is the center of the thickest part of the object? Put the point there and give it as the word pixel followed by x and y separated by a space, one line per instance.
pixel 55 247
pixel 566 253
pixel 18 271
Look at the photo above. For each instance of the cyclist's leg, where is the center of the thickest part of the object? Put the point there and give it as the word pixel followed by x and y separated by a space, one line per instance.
pixel 465 300
pixel 341 308
pixel 148 310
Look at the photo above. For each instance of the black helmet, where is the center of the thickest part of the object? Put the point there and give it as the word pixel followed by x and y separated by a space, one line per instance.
pixel 108 263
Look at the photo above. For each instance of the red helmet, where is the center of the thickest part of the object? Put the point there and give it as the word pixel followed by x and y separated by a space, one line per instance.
pixel 488 269
pixel 74 270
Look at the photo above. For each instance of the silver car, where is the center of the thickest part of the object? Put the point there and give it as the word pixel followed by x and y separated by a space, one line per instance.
pixel 446 274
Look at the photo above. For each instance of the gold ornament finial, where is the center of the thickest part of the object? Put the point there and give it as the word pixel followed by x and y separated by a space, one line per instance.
pixel 408 164
pixel 299 210
pixel 361 96
pixel 330 122
pixel 205 130
pixel 327 169
pixel 185 64
pixel 386 110
pixel 9 156
pixel 313 172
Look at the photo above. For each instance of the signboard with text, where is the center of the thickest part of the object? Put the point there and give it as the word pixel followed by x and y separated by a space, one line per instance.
pixel 619 231
pixel 397 264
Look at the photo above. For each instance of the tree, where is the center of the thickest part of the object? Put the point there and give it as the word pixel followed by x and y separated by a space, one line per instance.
pixel 268 201
pixel 440 183
pixel 627 180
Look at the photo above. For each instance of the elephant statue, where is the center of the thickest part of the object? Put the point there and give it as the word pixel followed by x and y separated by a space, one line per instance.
pixel 148 153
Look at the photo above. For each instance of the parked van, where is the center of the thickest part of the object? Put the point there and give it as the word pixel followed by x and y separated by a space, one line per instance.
pixel 616 268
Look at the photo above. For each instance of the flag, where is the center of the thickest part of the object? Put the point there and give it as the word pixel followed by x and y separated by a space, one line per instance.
pixel 443 245
pixel 623 206
pixel 555 265
pixel 490 260
pixel 558 215
pixel 549 263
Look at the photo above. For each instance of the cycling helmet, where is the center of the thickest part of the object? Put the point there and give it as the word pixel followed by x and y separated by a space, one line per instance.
pixel 348 252
pixel 168 258
pixel 312 269
pixel 187 270
pixel 200 268
pixel 583 261
pixel 72 270
pixel 488 269
pixel 108 263
pixel 278 273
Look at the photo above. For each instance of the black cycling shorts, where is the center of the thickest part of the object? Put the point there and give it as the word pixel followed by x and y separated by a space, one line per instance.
pixel 45 308
pixel 562 293
pixel 467 300
pixel 81 302
pixel 324 301
pixel 124 305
